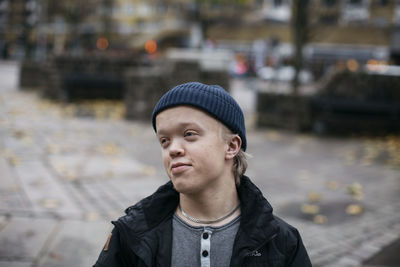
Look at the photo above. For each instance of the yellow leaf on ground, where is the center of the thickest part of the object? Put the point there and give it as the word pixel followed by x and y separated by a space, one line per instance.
pixel 314 197
pixel 110 149
pixel 92 216
pixel 49 203
pixel 15 160
pixel 273 135
pixel 333 185
pixel 354 209
pixel 355 190
pixel 304 175
pixel 148 171
pixel 309 208
pixel 320 219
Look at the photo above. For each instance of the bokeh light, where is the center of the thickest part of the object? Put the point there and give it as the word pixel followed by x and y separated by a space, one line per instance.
pixel 352 64
pixel 150 46
pixel 102 43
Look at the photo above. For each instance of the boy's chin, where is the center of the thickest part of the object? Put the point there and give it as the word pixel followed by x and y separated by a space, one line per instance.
pixel 184 188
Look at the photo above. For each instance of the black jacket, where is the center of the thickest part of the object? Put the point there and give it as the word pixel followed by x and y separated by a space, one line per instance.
pixel 143 237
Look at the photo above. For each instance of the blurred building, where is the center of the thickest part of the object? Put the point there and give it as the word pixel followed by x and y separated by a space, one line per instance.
pixel 36 28
pixel 340 32
pixel 17 19
pixel 344 12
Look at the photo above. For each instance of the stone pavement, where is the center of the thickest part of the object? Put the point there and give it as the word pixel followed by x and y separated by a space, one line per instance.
pixel 63 178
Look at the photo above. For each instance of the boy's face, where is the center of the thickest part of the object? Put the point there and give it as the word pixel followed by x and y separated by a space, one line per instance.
pixel 193 150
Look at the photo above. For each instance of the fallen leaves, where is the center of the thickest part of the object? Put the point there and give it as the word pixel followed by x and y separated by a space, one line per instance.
pixel 384 150
pixel 314 197
pixel 320 219
pixel 354 209
pixel 318 210
pixel 309 208
pixel 333 185
pixel 92 216
pixel 50 203
pixel 148 170
pixel 98 109
pixel 273 135
pixel 11 157
pixel 110 149
pixel 56 256
pixel 355 190
pixel 19 134
pixel 304 174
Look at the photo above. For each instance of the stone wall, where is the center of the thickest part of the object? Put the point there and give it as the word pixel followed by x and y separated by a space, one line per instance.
pixel 348 102
pixel 358 102
pixel 283 111
pixel 82 77
pixel 145 86
pixel 69 78
pixel 30 75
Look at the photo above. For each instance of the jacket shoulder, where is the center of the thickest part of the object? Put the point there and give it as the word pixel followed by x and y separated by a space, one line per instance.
pixel 289 243
pixel 286 229
pixel 134 219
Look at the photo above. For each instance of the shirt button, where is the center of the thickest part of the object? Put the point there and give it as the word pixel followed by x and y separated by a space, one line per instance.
pixel 205 253
pixel 205 235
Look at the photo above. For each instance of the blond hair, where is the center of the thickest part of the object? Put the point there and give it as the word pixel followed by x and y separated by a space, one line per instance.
pixel 240 160
pixel 239 165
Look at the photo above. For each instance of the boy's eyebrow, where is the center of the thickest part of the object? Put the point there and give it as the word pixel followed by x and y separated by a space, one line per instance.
pixel 180 125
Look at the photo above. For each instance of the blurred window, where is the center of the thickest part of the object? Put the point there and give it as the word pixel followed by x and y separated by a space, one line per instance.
pixel 355 2
pixel 328 19
pixel 383 2
pixel 329 3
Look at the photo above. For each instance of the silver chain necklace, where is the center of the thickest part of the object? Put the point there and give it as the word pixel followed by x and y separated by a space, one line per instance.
pixel 204 221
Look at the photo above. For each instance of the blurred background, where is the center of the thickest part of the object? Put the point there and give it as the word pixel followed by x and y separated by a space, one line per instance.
pixel 318 80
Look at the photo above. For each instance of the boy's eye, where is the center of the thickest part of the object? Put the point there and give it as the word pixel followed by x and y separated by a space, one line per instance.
pixel 163 140
pixel 189 133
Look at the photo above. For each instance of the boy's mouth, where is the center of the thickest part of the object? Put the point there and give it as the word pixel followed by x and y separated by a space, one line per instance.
pixel 179 167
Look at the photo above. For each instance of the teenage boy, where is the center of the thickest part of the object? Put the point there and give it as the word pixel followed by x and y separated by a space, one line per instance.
pixel 209 213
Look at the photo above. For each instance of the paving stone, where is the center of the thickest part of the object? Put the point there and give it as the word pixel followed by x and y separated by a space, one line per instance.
pixel 3 221
pixel 347 261
pixel 13 200
pixel 385 238
pixel 81 199
pixel 324 259
pixel 15 264
pixel 11 195
pixel 7 176
pixel 133 190
pixel 43 190
pixel 77 244
pixel 364 252
pixel 23 238
pixel 79 165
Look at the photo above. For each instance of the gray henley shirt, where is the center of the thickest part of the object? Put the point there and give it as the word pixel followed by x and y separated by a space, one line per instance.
pixel 203 246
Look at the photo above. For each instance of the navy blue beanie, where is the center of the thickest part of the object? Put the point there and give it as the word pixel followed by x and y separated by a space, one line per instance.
pixel 210 98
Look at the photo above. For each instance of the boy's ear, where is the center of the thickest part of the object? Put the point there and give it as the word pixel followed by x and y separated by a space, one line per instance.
pixel 234 145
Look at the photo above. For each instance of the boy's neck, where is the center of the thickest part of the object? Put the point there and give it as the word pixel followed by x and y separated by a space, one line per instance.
pixel 210 205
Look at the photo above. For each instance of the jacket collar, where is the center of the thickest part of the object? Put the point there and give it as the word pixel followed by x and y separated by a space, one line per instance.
pixel 255 209
pixel 257 223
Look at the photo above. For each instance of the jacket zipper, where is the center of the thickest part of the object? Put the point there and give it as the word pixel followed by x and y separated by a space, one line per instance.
pixel 254 251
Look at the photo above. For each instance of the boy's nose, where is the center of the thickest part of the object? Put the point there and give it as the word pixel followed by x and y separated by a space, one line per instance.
pixel 176 149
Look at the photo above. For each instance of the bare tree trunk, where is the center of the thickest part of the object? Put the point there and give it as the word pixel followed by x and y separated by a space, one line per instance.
pixel 299 33
pixel 107 18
